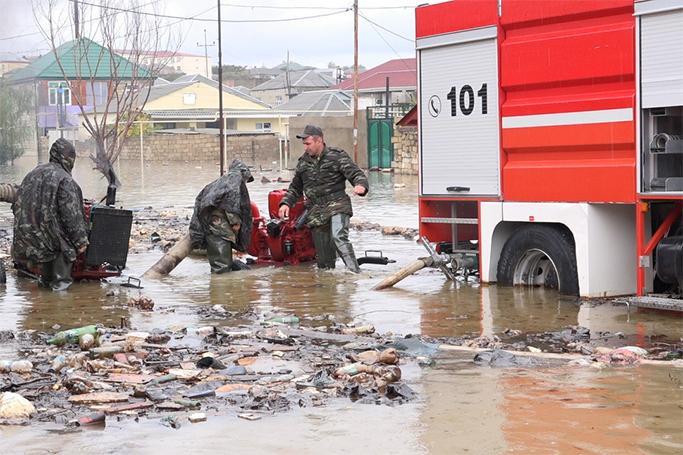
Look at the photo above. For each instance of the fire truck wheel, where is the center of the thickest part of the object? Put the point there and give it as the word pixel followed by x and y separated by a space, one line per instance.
pixel 540 255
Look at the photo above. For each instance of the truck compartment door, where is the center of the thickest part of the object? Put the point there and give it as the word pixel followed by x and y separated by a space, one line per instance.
pixel 459 116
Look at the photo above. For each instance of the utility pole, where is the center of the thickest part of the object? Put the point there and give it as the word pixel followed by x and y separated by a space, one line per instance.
pixel 287 81
pixel 77 33
pixel 206 53
pixel 355 81
pixel 220 90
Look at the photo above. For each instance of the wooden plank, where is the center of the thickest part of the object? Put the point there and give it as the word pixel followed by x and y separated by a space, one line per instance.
pixel 98 397
pixel 129 378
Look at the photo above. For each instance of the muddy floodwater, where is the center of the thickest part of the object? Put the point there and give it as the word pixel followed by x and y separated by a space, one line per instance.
pixel 459 408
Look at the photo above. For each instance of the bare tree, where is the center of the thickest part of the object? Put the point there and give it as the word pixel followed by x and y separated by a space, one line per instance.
pixel 109 58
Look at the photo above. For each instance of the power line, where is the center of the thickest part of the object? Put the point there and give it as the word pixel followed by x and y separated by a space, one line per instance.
pixel 386 29
pixel 184 18
pixel 390 46
pixel 7 38
pixel 389 7
pixel 237 5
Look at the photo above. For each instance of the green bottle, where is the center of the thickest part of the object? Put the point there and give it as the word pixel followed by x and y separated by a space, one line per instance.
pixel 71 336
pixel 284 320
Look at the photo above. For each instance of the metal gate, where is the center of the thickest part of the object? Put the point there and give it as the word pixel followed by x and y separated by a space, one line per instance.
pixel 380 123
pixel 380 148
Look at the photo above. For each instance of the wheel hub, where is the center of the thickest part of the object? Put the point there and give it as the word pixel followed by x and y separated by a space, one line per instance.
pixel 535 268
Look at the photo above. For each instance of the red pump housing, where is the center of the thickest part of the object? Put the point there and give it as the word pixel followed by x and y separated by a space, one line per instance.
pixel 280 241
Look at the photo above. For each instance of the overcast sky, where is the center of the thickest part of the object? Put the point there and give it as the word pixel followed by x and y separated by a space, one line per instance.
pixel 315 41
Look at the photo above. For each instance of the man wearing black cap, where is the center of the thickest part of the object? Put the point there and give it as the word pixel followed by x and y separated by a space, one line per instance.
pixel 321 176
pixel 49 222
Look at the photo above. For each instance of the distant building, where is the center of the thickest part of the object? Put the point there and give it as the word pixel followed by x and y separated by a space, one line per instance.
pixel 192 102
pixel 289 84
pixel 171 62
pixel 263 74
pixel 318 103
pixel 84 73
pixel 402 74
pixel 9 65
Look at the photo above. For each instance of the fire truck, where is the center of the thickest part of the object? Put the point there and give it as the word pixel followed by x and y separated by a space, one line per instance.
pixel 551 141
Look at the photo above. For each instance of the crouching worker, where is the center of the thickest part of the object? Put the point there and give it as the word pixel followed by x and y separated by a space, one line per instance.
pixel 222 218
pixel 49 221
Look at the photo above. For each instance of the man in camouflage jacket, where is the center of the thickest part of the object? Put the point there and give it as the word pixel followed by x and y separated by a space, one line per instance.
pixel 321 176
pixel 222 218
pixel 49 221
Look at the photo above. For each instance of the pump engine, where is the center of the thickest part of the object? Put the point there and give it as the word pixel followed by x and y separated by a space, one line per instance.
pixel 281 241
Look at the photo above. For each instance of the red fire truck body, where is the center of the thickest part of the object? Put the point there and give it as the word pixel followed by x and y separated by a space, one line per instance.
pixel 551 137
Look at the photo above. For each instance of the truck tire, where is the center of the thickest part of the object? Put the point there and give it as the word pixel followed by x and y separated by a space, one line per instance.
pixel 540 255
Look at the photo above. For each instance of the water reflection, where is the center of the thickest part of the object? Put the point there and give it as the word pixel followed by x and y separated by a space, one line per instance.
pixel 176 184
pixel 551 410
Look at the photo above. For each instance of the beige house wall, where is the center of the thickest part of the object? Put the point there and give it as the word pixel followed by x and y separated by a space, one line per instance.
pixel 277 125
pixel 6 67
pixel 205 97
pixel 271 96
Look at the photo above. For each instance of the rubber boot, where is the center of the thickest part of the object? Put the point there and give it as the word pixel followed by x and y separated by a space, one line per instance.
pixel 325 253
pixel 349 257
pixel 57 274
pixel 219 252
pixel 339 231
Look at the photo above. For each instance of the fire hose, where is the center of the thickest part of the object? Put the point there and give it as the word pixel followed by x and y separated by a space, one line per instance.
pixel 442 261
pixel 8 192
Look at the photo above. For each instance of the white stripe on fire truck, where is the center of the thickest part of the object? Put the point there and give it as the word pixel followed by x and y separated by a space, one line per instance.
pixel 569 118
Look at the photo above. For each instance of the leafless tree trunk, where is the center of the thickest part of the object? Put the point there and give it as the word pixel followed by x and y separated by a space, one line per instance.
pixel 115 64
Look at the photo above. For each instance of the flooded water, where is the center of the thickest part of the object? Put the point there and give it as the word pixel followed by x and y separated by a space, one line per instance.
pixel 460 407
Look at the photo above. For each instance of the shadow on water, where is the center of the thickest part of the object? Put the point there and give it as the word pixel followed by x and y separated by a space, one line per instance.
pixel 539 411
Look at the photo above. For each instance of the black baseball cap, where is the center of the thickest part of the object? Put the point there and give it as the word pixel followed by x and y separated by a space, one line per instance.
pixel 310 130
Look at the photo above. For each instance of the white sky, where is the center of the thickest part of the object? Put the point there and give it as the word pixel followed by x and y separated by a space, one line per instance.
pixel 310 42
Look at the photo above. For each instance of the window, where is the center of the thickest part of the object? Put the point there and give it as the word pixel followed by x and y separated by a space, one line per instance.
pixel 278 99
pixel 96 93
pixel 189 98
pixel 263 126
pixel 59 93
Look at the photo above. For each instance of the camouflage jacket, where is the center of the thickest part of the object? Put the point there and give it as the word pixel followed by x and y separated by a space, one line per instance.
pixel 229 193
pixel 323 182
pixel 48 216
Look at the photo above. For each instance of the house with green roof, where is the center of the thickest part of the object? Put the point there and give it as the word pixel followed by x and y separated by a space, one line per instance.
pixel 78 69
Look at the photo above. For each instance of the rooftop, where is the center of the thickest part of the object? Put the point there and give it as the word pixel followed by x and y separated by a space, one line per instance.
pixel 297 79
pixel 402 73
pixel 80 59
pixel 164 88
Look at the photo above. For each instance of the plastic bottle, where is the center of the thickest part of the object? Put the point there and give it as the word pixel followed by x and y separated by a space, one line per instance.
pixel 15 366
pixel 284 320
pixel 71 336
pixel 58 363
pixel 354 369
pixel 21 366
pixel 361 330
